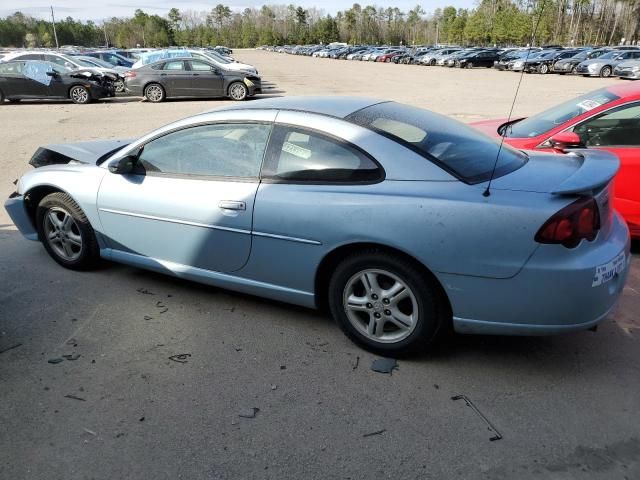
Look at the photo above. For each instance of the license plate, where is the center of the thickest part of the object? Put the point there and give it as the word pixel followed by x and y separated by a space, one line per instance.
pixel 606 272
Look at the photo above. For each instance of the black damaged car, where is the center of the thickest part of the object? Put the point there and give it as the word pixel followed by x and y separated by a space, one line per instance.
pixel 544 62
pixel 482 58
pixel 35 79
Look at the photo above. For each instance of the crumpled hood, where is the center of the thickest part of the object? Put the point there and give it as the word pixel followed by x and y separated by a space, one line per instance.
pixel 83 152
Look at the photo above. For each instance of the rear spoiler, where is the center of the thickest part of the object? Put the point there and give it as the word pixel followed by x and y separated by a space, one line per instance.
pixel 597 169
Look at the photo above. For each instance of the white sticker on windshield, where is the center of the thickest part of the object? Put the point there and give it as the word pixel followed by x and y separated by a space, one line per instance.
pixel 587 105
pixel 296 150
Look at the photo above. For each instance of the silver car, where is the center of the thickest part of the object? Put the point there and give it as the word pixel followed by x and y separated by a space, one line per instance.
pixel 629 69
pixel 604 65
pixel 401 222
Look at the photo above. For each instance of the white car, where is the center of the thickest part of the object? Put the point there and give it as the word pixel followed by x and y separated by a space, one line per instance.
pixel 207 55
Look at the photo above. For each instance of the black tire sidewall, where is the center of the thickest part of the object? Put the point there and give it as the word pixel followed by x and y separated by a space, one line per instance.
pixel 605 69
pixel 430 318
pixel 90 253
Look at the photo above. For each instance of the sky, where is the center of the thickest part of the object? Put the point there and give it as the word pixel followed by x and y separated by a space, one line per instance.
pixel 97 10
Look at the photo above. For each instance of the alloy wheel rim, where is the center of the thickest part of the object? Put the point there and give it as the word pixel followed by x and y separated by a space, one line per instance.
pixel 119 85
pixel 237 92
pixel 79 94
pixel 380 306
pixel 154 93
pixel 63 234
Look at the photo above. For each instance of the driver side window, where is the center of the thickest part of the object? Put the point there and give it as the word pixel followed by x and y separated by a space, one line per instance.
pixel 617 127
pixel 219 150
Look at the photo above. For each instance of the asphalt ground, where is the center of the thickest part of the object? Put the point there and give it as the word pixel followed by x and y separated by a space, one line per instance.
pixel 168 371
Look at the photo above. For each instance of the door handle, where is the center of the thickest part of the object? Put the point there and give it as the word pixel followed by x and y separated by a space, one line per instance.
pixel 163 74
pixel 195 74
pixel 232 205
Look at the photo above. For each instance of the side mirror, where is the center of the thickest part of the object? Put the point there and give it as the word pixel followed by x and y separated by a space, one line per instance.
pixel 124 165
pixel 565 140
pixel 51 73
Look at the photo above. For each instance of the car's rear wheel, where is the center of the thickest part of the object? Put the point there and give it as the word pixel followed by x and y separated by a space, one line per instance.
pixel 154 93
pixel 238 91
pixel 79 94
pixel 385 304
pixel 605 71
pixel 1 96
pixel 543 69
pixel 66 233
pixel 469 64
pixel 574 69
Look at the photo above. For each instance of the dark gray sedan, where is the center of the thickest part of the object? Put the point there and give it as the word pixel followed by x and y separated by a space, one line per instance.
pixel 189 77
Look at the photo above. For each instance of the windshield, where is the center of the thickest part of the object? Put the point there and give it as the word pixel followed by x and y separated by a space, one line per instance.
pixel 610 55
pixel 460 150
pixel 217 57
pixel 87 63
pixel 545 121
pixel 93 62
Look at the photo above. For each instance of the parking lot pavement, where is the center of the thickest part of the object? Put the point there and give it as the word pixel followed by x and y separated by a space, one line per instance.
pixel 169 370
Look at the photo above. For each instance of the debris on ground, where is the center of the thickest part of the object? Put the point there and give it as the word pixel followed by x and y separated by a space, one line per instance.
pixel 436 386
pixel 72 356
pixel 159 304
pixel 55 360
pixel 147 317
pixel 283 367
pixel 141 419
pixel 10 348
pixel 273 387
pixel 164 310
pixel 357 363
pixel 384 365
pixel 144 291
pixel 180 358
pixel 73 397
pixel 249 413
pixel 73 342
pixel 377 432
pixel 90 432
pixel 497 435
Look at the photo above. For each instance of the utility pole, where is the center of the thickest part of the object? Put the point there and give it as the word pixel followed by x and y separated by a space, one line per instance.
pixel 53 21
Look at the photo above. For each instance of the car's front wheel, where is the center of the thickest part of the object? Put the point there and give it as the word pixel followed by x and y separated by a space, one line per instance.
pixel 238 91
pixel 385 304
pixel 605 72
pixel 543 69
pixel 79 94
pixel 66 232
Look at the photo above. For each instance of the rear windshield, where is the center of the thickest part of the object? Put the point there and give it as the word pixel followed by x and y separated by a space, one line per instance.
pixel 460 150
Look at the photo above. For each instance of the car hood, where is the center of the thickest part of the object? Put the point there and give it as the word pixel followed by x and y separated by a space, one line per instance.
pixel 579 172
pixel 239 67
pixel 81 152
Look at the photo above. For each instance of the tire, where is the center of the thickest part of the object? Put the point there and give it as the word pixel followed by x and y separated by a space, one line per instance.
pixel 574 70
pixel 432 62
pixel 119 86
pixel 543 69
pixel 238 91
pixel 377 322
pixel 65 232
pixel 79 95
pixel 605 72
pixel 469 65
pixel 1 96
pixel 154 93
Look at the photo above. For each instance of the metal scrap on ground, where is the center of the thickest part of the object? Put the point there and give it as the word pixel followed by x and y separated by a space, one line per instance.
pixel 384 365
pixel 490 427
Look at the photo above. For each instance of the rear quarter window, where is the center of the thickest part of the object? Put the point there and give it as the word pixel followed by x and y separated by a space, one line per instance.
pixel 467 154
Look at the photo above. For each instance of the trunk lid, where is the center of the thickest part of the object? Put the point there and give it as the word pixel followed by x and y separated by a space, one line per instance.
pixel 581 172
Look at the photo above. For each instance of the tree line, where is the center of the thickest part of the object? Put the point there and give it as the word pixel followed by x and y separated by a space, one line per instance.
pixel 500 22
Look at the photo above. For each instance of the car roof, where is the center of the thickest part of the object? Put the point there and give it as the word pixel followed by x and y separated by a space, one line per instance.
pixel 339 107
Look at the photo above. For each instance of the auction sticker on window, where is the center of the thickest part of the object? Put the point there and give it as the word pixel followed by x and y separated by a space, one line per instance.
pixel 606 272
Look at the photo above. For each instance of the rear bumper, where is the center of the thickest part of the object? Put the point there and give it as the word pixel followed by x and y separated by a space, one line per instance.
pixel 552 294
pixel 17 210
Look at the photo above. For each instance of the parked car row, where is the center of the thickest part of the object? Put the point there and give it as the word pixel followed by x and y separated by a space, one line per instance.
pixel 156 74
pixel 621 61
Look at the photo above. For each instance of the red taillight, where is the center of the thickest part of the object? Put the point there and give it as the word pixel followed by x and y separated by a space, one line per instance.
pixel 575 222
pixel 130 74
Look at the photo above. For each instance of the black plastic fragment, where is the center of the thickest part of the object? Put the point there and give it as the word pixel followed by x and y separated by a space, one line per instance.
pixel 384 365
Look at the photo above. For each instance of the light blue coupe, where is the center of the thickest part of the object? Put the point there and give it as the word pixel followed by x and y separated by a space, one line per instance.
pixel 378 211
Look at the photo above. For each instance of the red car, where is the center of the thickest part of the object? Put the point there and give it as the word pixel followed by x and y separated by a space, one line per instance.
pixel 387 57
pixel 607 119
